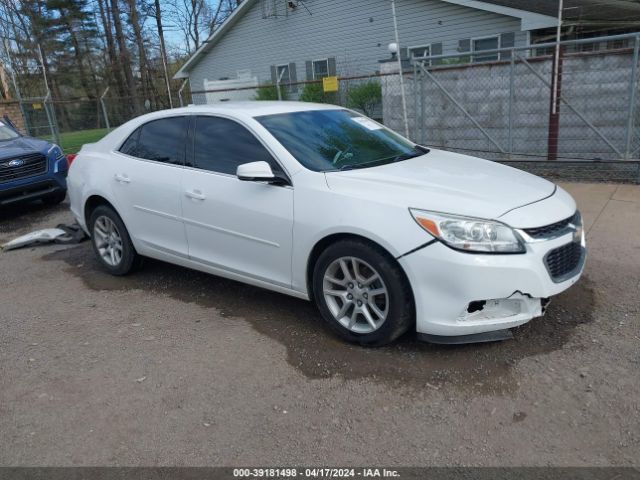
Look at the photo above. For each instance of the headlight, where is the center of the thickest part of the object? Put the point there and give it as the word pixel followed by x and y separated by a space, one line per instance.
pixel 56 151
pixel 469 234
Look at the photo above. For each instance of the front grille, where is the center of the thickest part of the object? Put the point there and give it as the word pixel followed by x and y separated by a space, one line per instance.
pixel 563 260
pixel 33 164
pixel 550 230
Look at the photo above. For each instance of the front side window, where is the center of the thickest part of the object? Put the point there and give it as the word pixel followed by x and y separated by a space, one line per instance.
pixel 159 140
pixel 221 145
pixel 325 140
pixel 320 69
pixel 488 43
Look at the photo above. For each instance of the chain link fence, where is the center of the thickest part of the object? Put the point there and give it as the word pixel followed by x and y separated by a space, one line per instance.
pixel 73 122
pixel 363 93
pixel 510 105
pixel 39 118
pixel 576 119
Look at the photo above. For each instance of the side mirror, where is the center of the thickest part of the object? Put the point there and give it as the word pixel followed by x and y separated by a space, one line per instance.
pixel 259 172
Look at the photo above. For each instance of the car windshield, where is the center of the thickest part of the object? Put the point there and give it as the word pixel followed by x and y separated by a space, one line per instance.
pixel 7 133
pixel 328 140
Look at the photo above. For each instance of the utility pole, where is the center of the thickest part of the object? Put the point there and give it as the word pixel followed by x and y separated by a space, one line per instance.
pixel 163 51
pixel 399 56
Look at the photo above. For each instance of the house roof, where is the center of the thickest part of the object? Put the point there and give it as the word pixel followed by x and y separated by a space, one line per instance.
pixel 533 14
pixel 580 11
pixel 214 37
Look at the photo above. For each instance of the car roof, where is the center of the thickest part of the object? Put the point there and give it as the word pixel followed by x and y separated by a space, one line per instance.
pixel 238 110
pixel 256 108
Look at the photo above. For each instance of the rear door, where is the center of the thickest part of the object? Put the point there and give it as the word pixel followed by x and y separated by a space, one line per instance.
pixel 243 227
pixel 146 179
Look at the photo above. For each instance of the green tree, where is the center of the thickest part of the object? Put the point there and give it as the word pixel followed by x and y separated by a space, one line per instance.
pixel 314 93
pixel 268 91
pixel 74 30
pixel 365 97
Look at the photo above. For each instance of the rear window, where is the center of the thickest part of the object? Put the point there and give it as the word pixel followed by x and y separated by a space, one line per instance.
pixel 159 140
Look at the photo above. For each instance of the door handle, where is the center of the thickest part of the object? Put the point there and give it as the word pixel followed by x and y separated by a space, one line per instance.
pixel 122 178
pixel 195 195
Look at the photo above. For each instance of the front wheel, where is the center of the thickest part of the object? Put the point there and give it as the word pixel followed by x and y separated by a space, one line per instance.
pixel 111 242
pixel 362 293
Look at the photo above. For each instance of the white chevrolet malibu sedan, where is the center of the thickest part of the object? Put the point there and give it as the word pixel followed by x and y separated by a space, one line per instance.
pixel 324 204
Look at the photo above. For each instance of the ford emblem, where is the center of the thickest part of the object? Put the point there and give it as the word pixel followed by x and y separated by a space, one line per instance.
pixel 16 163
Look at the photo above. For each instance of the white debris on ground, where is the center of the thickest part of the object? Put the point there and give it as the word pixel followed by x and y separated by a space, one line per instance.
pixel 62 234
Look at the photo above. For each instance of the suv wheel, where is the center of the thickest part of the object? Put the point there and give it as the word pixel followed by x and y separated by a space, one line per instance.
pixel 111 242
pixel 362 293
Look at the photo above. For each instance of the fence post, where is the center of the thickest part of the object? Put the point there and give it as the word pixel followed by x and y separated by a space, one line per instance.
pixel 278 80
pixel 423 137
pixel 415 101
pixel 554 105
pixel 632 98
pixel 184 84
pixel 511 92
pixel 104 109
pixel 51 118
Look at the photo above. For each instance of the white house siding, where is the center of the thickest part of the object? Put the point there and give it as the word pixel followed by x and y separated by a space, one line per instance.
pixel 355 32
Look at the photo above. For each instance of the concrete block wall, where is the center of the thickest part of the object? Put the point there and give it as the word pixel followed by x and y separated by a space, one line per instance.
pixel 597 85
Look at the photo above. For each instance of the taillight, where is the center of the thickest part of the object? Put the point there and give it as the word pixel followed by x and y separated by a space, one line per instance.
pixel 70 158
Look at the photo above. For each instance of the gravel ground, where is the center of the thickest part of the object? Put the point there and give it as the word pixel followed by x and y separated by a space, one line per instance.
pixel 175 367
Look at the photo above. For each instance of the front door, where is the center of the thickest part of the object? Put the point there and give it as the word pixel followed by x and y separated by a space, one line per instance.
pixel 243 227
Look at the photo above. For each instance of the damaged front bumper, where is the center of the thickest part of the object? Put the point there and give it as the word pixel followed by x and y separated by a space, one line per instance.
pixel 462 294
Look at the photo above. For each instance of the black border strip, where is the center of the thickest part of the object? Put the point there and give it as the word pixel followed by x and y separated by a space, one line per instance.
pixel 417 248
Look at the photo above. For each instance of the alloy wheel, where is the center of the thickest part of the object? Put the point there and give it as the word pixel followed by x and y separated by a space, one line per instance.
pixel 108 240
pixel 356 295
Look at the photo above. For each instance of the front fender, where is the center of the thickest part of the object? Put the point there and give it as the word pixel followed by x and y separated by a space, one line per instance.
pixel 320 213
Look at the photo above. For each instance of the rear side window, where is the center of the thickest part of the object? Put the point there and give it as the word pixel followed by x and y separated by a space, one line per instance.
pixel 220 145
pixel 159 140
pixel 129 147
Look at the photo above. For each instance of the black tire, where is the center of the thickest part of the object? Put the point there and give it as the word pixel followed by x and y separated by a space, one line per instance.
pixel 130 260
pixel 401 311
pixel 54 198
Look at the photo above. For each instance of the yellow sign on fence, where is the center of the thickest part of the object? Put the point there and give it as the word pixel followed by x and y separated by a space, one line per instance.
pixel 36 106
pixel 330 84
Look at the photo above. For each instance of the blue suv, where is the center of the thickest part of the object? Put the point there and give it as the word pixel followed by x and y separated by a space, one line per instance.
pixel 30 169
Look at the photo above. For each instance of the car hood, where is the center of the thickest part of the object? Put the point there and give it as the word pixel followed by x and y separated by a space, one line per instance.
pixel 445 182
pixel 22 145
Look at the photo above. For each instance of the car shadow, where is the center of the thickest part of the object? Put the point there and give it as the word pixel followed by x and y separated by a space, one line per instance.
pixel 21 215
pixel 407 364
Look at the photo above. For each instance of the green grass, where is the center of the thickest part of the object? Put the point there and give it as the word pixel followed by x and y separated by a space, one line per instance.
pixel 71 142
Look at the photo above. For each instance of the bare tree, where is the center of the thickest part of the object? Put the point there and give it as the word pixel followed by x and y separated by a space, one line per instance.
pixel 114 71
pixel 143 63
pixel 163 50
pixel 125 58
pixel 197 19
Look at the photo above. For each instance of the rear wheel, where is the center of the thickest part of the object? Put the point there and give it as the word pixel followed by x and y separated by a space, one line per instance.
pixel 362 293
pixel 111 242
